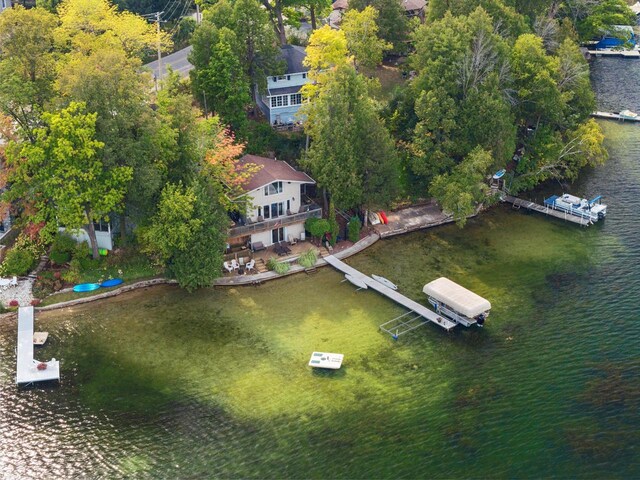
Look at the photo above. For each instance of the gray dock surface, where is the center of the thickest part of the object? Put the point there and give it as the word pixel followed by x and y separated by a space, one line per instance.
pixel 519 202
pixel 400 299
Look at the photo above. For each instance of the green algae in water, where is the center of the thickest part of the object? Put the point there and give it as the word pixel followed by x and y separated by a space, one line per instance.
pixel 217 382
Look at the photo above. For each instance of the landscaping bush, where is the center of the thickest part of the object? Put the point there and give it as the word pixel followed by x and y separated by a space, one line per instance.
pixel 62 248
pixel 279 267
pixel 14 303
pixel 317 227
pixel 353 228
pixel 72 275
pixel 18 261
pixel 308 259
pixel 82 250
pixel 334 228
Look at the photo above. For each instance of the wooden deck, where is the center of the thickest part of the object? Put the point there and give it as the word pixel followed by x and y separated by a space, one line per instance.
pixel 520 203
pixel 411 305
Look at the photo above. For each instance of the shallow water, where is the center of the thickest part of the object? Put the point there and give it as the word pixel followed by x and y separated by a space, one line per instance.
pixel 160 383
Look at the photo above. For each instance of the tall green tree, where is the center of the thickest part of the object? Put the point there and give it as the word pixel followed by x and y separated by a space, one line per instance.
pixel 222 80
pixel 393 25
pixel 27 65
pixel 460 191
pixel 351 154
pixel 361 31
pixel 602 16
pixel 187 235
pixel 62 173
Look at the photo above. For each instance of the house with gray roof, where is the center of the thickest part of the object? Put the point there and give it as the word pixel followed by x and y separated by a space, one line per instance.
pixel 282 99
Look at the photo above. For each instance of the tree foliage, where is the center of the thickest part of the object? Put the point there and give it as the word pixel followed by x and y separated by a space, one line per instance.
pixel 185 235
pixel 27 65
pixel 351 154
pixel 63 173
pixel 393 26
pixel 361 32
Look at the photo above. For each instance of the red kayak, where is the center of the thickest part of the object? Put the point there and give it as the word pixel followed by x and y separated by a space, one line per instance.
pixel 383 217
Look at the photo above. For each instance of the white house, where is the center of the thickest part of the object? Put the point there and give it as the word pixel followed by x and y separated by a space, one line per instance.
pixel 4 4
pixel 279 205
pixel 282 99
pixel 103 235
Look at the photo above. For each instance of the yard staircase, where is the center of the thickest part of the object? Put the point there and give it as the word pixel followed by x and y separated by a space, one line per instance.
pixel 261 266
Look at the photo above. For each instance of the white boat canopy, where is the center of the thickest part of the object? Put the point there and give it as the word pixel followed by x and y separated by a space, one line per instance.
pixel 457 297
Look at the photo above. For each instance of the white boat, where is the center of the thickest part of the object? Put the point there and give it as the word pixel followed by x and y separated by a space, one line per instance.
pixel 580 207
pixel 356 281
pixel 332 361
pixel 385 282
pixel 456 302
pixel 628 115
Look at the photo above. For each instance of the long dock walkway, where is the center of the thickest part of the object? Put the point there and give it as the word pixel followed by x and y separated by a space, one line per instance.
pixel 27 367
pixel 615 53
pixel 519 202
pixel 411 305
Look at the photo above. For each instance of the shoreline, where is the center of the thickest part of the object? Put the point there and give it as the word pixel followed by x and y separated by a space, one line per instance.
pixel 259 278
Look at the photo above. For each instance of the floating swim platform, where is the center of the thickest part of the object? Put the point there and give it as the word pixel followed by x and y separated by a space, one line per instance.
pixel 111 283
pixel 332 361
pixel 86 287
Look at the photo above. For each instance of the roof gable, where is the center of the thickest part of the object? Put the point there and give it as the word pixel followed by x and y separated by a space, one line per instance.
pixel 272 171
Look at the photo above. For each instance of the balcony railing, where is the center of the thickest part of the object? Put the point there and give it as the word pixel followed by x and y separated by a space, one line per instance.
pixel 310 211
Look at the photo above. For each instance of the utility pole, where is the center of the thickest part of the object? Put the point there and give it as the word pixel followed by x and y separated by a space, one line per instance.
pixel 159 76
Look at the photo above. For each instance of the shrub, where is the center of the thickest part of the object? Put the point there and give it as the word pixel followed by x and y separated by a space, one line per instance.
pixel 35 302
pixel 59 258
pixel 279 267
pixel 317 227
pixel 63 243
pixel 353 228
pixel 308 258
pixel 72 275
pixel 18 261
pixel 334 228
pixel 82 250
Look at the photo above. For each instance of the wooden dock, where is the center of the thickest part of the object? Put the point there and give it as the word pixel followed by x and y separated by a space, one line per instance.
pixel 413 306
pixel 520 203
pixel 614 116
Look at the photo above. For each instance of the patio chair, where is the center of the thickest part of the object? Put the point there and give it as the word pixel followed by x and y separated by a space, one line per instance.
pixel 14 282
pixel 292 240
pixel 227 267
pixel 234 264
pixel 250 265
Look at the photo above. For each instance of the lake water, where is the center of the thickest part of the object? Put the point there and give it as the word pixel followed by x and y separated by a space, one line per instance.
pixel 160 383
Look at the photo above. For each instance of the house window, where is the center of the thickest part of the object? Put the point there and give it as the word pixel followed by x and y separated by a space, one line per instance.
pixel 277 235
pixel 267 212
pixel 101 226
pixel 296 99
pixel 282 77
pixel 304 75
pixel 288 77
pixel 279 101
pixel 273 188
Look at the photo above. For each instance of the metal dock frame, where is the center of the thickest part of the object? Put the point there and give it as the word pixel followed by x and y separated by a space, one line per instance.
pixel 414 307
